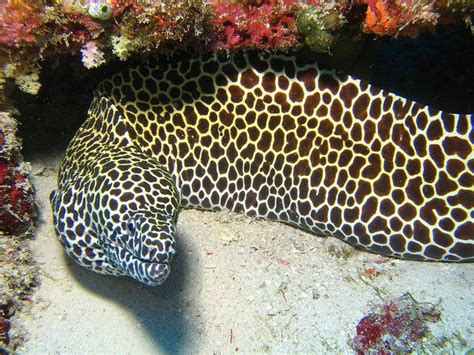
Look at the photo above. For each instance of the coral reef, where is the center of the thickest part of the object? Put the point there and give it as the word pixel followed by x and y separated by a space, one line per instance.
pixel 161 27
pixel 18 22
pixel 17 274
pixel 32 30
pixel 393 17
pixel 101 10
pixel 394 327
pixel 99 30
pixel 410 17
pixel 318 23
pixel 16 195
pixel 270 25
pixel 18 278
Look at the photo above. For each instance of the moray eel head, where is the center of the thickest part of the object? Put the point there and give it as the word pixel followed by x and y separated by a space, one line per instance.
pixel 143 247
pixel 120 218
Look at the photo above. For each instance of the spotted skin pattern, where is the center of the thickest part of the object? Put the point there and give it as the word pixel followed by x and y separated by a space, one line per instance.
pixel 274 137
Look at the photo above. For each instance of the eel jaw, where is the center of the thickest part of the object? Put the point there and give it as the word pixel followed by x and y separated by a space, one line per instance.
pixel 148 272
pixel 156 273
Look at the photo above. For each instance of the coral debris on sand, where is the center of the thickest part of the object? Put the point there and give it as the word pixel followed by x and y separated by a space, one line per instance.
pixel 18 278
pixel 16 194
pixel 17 273
pixel 394 327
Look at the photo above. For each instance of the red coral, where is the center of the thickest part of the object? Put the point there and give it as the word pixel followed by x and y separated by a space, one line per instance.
pixel 268 26
pixel 394 327
pixel 5 326
pixel 370 330
pixel 120 6
pixel 3 173
pixel 16 202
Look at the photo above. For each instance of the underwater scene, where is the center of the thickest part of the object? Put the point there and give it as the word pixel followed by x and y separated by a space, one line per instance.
pixel 236 176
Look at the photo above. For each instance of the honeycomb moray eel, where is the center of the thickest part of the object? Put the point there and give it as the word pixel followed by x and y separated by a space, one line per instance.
pixel 274 137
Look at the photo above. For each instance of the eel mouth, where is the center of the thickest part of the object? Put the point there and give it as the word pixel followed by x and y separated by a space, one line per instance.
pixel 149 272
pixel 154 273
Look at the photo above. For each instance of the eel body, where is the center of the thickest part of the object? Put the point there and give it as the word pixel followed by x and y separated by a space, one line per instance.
pixel 274 137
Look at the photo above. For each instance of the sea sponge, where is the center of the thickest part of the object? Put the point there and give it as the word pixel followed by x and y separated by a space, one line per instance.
pixel 318 23
pixel 397 327
pixel 101 10
pixel 29 82
pixel 27 78
pixel 92 54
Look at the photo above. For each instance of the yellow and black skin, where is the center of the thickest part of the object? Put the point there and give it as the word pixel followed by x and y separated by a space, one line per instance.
pixel 269 136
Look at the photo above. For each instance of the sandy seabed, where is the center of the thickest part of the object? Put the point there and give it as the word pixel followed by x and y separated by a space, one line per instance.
pixel 238 284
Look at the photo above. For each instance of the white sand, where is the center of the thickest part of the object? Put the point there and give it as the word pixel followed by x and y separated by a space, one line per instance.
pixel 238 284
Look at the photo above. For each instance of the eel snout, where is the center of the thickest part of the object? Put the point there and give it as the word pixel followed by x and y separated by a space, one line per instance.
pixel 150 271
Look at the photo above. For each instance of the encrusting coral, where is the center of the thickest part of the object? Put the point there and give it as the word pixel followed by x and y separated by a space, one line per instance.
pixel 318 24
pixel 16 194
pixel 268 25
pixel 17 277
pixel 395 17
pixel 32 30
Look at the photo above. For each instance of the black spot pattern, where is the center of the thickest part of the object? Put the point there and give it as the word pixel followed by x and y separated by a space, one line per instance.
pixel 274 137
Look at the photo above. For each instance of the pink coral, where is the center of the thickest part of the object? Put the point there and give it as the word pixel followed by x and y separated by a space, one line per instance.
pixel 92 55
pixel 18 21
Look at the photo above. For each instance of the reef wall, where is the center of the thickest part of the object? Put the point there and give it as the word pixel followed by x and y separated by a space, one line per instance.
pixel 102 30
pixel 17 209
